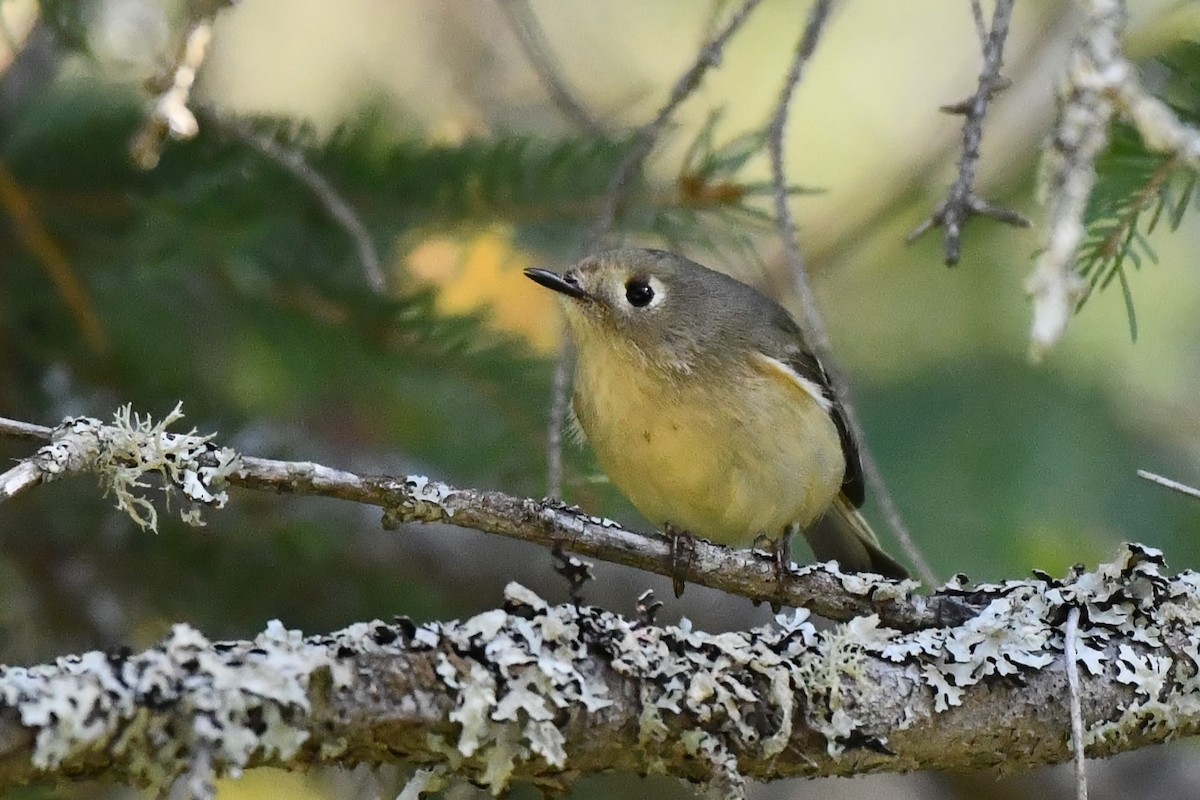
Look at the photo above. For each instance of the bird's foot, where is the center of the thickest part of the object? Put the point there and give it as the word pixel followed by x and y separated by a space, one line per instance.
pixel 780 552
pixel 683 548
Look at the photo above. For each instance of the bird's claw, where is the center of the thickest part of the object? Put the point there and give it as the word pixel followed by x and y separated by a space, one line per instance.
pixel 683 548
pixel 780 551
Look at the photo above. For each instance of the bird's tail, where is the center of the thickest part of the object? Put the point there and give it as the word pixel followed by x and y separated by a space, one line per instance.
pixel 844 535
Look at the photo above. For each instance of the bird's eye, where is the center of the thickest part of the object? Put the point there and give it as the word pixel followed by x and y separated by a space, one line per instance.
pixel 638 292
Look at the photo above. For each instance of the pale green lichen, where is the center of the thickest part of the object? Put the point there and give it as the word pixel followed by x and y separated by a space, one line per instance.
pixel 516 675
pixel 428 499
pixel 1022 630
pixel 124 453
pixel 227 704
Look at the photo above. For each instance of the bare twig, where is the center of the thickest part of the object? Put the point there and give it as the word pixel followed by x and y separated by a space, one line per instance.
pixel 887 503
pixel 776 140
pixel 618 184
pixel 980 24
pixel 1077 741
pixel 1182 488
pixel 560 394
pixel 27 431
pixel 525 26
pixel 814 324
pixel 614 196
pixel 338 208
pixel 962 202
pixel 203 465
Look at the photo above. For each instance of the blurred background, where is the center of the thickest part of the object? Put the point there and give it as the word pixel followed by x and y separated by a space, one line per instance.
pixel 223 279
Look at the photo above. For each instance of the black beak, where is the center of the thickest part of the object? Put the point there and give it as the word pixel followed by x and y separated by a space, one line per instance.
pixel 564 284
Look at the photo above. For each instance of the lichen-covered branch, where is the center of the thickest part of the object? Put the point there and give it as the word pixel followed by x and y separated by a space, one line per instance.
pixel 1100 85
pixel 125 453
pixel 545 694
pixel 121 455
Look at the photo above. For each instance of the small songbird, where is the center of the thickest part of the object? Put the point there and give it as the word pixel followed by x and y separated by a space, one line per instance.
pixel 707 409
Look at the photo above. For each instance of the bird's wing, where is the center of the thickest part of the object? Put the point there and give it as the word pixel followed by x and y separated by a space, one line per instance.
pixel 807 366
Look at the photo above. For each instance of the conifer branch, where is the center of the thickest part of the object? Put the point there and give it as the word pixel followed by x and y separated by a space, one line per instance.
pixel 1101 86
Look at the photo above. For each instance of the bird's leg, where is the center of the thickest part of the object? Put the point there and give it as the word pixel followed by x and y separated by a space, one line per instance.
pixel 783 554
pixel 683 547
pixel 780 552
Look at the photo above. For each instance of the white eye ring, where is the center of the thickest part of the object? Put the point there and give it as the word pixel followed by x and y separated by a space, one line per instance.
pixel 644 292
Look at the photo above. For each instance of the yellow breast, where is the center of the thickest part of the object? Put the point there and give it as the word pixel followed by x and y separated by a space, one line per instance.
pixel 726 462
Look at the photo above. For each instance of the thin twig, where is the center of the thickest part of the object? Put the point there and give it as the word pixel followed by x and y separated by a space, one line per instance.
pixel 551 524
pixel 814 324
pixel 1077 745
pixel 962 202
pixel 886 502
pixel 614 195
pixel 1182 488
pixel 560 395
pixel 980 24
pixel 776 138
pixel 43 247
pixel 338 208
pixel 528 30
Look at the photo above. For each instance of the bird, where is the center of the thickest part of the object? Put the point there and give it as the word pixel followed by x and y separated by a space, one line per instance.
pixel 706 407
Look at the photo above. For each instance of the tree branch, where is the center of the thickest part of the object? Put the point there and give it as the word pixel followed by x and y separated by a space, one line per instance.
pixel 545 694
pixel 336 206
pixel 962 202
pixel 123 453
pixel 1174 486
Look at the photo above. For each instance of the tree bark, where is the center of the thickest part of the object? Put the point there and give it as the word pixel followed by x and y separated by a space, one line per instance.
pixel 541 693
